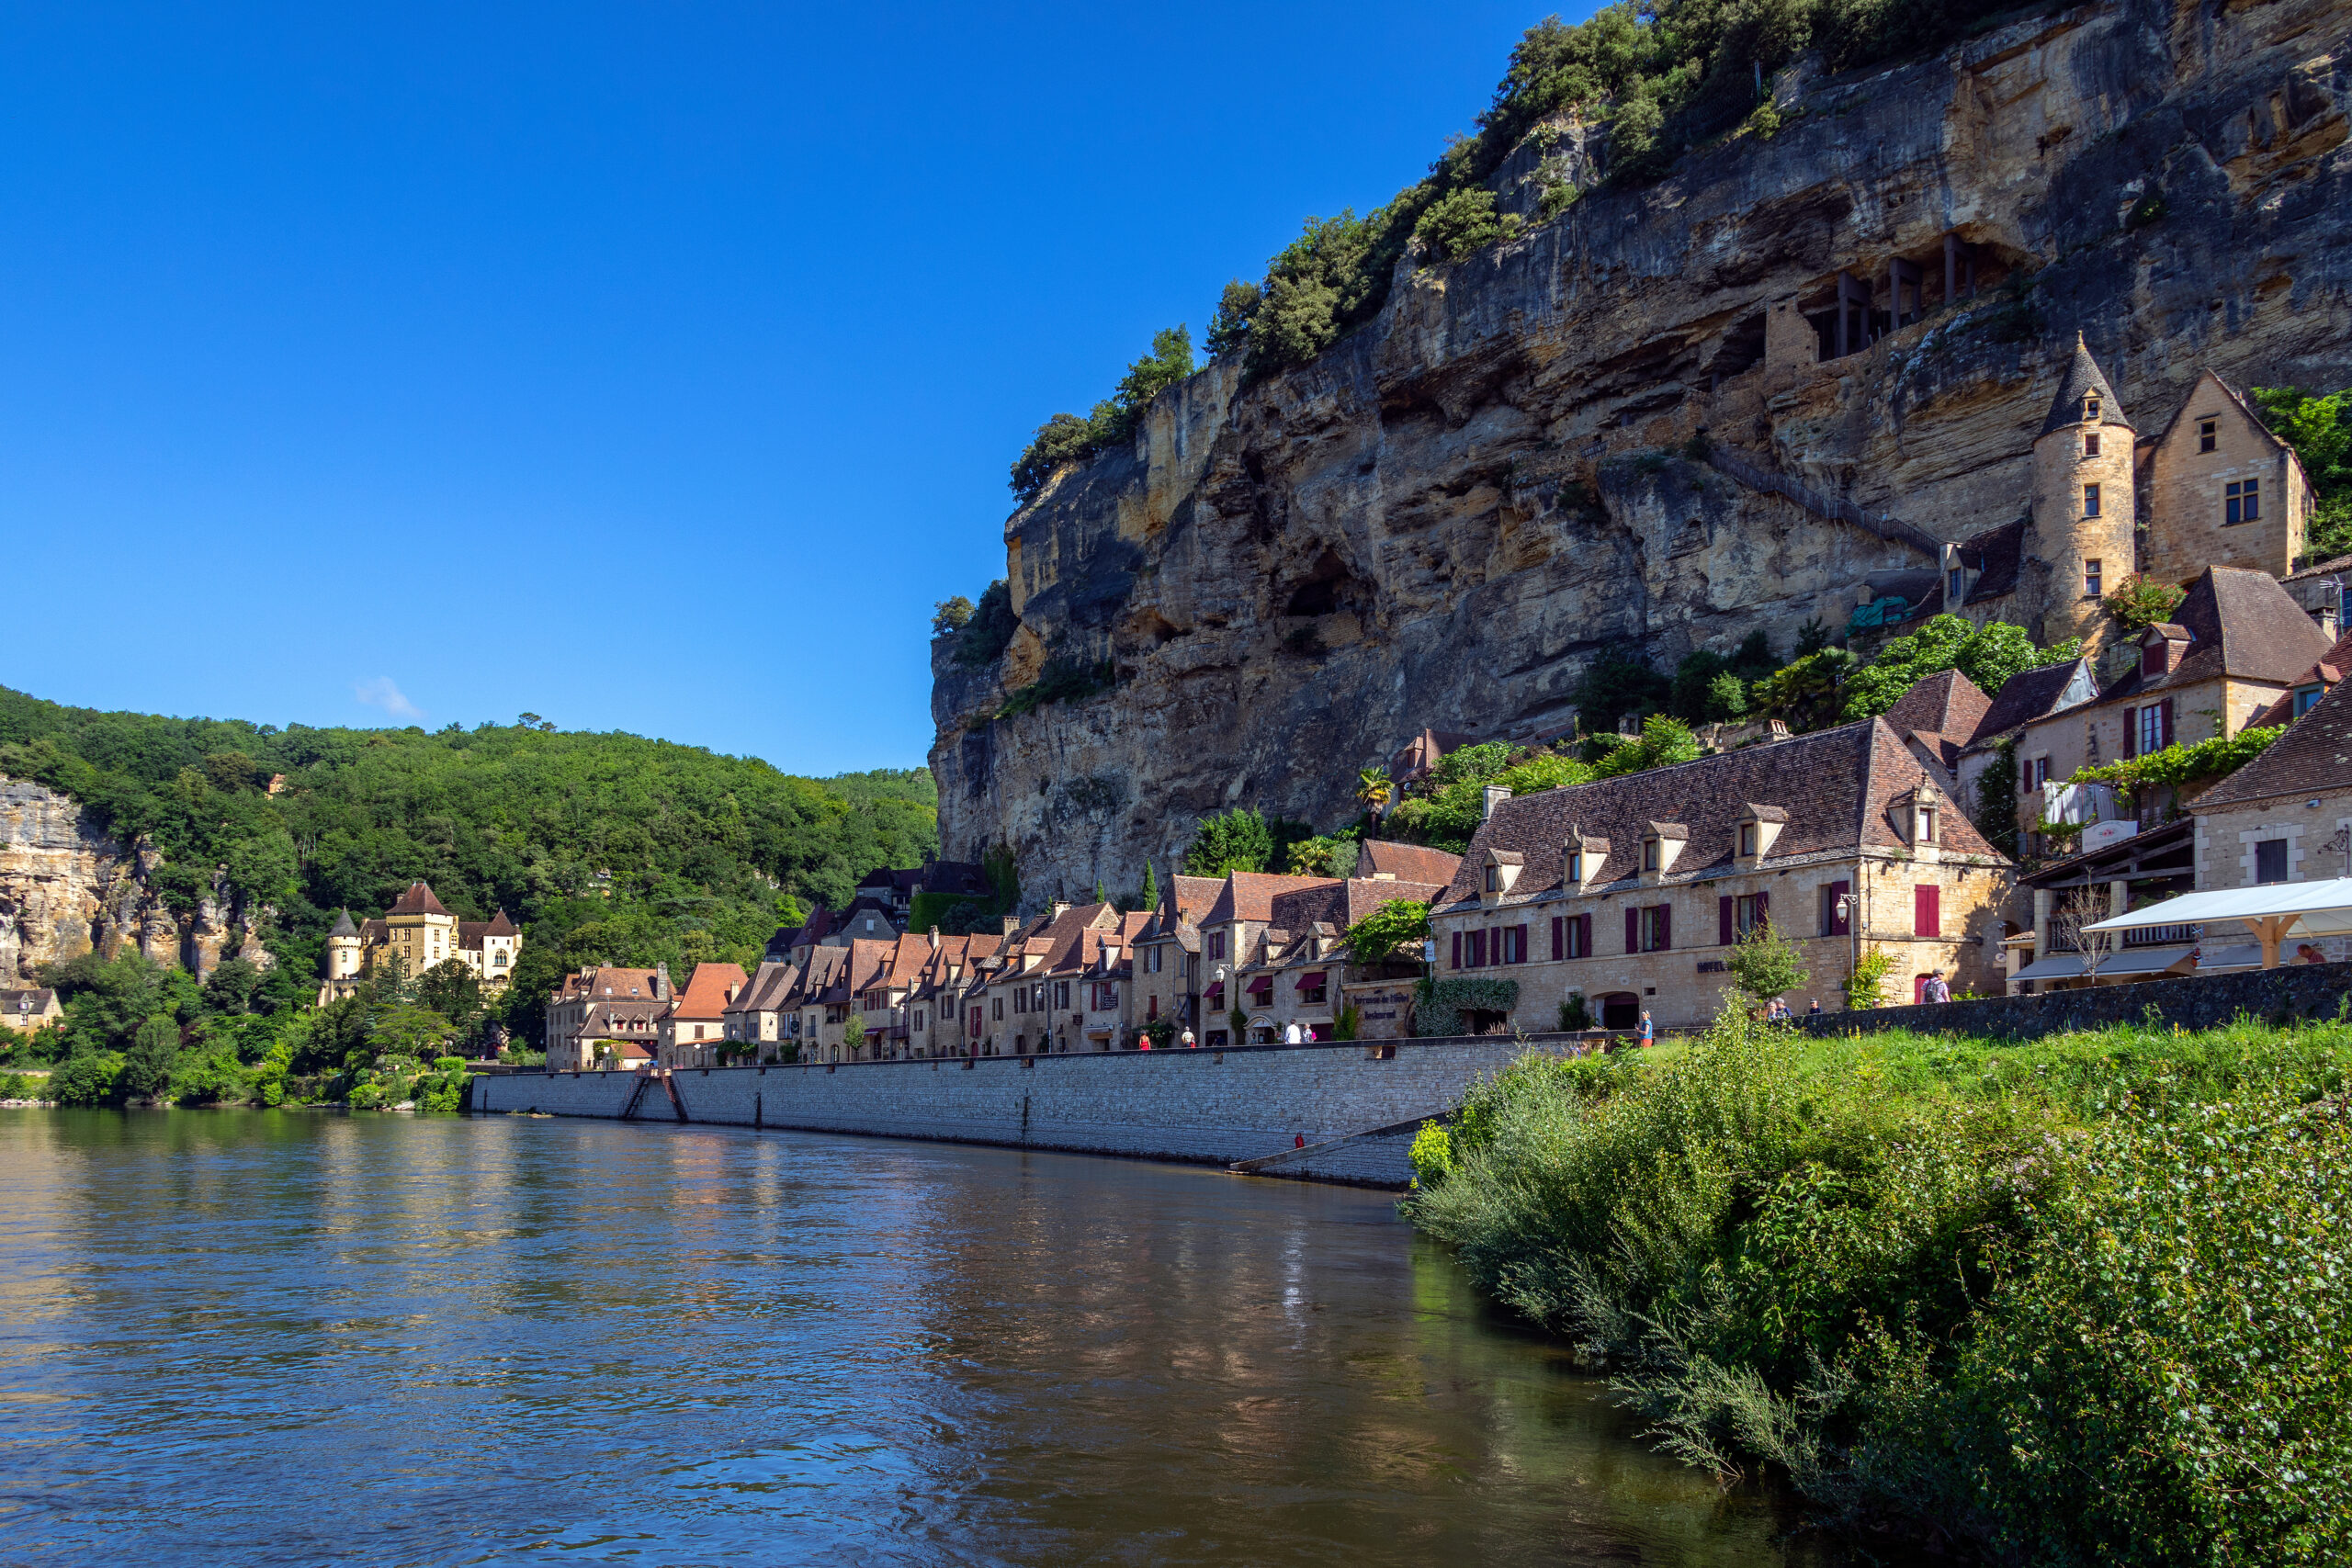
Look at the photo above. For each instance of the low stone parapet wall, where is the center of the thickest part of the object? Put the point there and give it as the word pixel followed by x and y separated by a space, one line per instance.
pixel 1199 1107
pixel 2205 1001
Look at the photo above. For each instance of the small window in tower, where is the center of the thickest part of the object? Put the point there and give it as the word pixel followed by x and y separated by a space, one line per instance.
pixel 2090 444
pixel 2091 575
pixel 2242 502
pixel 2090 406
pixel 2205 434
pixel 2090 501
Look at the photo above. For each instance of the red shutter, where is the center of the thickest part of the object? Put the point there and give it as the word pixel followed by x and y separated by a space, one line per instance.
pixel 1559 940
pixel 1926 911
pixel 1457 949
pixel 1519 944
pixel 2130 732
pixel 1584 947
pixel 1838 926
pixel 1722 921
pixel 2163 722
pixel 1665 927
pixel 1632 929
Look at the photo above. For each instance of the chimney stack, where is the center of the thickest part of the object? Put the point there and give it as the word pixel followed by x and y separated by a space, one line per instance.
pixel 662 982
pixel 1496 795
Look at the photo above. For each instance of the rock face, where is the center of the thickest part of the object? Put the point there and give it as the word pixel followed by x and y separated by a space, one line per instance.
pixel 66 886
pixel 1456 510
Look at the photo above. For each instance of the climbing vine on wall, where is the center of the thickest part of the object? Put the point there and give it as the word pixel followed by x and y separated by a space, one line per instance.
pixel 1439 1006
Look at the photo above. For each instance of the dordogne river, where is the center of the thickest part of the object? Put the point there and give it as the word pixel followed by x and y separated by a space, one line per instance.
pixel 289 1337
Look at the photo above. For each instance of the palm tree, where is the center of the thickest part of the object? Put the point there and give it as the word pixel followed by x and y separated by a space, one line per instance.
pixel 1374 791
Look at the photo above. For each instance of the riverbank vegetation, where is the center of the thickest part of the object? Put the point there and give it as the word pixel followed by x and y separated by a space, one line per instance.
pixel 2077 1300
pixel 603 848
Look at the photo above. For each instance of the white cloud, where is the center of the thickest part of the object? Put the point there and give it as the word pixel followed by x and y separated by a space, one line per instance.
pixel 380 693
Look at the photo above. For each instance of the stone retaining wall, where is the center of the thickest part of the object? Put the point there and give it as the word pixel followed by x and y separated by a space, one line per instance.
pixel 2206 1001
pixel 1200 1107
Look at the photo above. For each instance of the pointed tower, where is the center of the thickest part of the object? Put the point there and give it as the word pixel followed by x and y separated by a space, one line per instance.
pixel 344 960
pixel 2082 503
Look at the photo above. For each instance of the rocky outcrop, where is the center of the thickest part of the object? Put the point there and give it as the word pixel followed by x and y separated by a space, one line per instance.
pixel 1447 518
pixel 66 886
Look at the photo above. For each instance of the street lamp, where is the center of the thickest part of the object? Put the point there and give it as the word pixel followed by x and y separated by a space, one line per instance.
pixel 1848 909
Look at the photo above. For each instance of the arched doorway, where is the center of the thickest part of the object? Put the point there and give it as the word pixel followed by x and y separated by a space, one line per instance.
pixel 1619 1009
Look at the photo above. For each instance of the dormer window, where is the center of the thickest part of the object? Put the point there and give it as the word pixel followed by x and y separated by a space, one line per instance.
pixel 1952 586
pixel 1574 875
pixel 2306 696
pixel 1747 837
pixel 1649 854
pixel 1927 824
pixel 2152 658
pixel 2090 407
pixel 1494 881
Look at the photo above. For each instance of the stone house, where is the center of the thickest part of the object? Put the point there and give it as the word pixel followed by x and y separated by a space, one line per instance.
pixel 2236 645
pixel 694 1027
pixel 1232 934
pixel 1302 971
pixel 763 1014
pixel 2286 815
pixel 1631 892
pixel 1167 955
pixel 604 1006
pixel 822 999
pixel 2024 699
pixel 2223 490
pixel 28 1007
pixel 1384 860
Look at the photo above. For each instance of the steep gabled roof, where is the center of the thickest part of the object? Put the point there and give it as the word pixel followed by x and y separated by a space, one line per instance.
pixel 2243 626
pixel 2327 670
pixel 2034 693
pixel 1340 904
pixel 708 990
pixel 2235 396
pixel 1839 786
pixel 1946 704
pixel 417 900
pixel 1249 896
pixel 2314 757
pixel 2083 378
pixel 1996 556
pixel 1406 862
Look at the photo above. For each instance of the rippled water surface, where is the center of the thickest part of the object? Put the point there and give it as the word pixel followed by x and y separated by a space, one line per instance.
pixel 262 1336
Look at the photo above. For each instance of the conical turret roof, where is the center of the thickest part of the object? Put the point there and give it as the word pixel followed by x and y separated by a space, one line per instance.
pixel 2083 378
pixel 343 926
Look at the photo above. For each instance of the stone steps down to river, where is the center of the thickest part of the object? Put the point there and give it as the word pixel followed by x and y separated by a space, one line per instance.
pixel 1196 1107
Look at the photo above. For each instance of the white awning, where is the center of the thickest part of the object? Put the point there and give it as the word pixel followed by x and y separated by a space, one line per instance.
pixel 2318 909
pixel 2057 966
pixel 2114 966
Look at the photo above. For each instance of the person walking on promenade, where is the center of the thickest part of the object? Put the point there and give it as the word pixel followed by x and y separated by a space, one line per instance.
pixel 1647 1033
pixel 1936 991
pixel 1191 1043
pixel 1815 1010
pixel 1292 1035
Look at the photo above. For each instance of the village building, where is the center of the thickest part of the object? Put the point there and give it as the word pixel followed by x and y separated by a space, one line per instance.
pixel 694 1031
pixel 1385 860
pixel 1302 973
pixel 599 1013
pixel 2223 490
pixel 1233 936
pixel 418 935
pixel 27 1007
pixel 1628 894
pixel 1165 984
pixel 761 1020
pixel 2286 815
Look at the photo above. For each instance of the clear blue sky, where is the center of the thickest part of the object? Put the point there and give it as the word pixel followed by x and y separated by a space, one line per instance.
pixel 650 367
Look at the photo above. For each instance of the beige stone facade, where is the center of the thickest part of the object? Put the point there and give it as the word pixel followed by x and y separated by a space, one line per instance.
pixel 2223 490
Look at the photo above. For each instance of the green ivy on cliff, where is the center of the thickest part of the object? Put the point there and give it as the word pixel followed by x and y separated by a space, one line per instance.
pixel 2320 430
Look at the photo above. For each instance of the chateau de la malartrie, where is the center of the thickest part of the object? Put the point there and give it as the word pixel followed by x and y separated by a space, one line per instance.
pixel 1867 845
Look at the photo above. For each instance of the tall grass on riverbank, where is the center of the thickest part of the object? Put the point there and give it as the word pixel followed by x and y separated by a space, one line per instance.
pixel 2079 1300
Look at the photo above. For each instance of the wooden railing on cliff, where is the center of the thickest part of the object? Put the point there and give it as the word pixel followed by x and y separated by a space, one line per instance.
pixel 1757 477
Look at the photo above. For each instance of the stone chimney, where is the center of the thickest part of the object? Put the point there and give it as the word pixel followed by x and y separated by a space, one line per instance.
pixel 934 939
pixel 1496 795
pixel 1061 907
pixel 1011 924
pixel 662 982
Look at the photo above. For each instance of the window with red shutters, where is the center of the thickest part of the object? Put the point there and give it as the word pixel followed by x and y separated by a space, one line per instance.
pixel 1478 955
pixel 1519 944
pixel 1926 911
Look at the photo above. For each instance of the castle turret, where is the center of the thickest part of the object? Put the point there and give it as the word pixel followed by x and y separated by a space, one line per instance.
pixel 2082 503
pixel 344 960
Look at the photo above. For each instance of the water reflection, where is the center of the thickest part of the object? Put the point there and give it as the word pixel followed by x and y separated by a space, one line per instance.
pixel 284 1337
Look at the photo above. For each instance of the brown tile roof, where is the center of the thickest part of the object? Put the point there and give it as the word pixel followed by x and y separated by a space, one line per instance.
pixel 2034 693
pixel 1248 896
pixel 1840 787
pixel 1995 556
pixel 607 980
pixel 708 991
pixel 769 987
pixel 417 900
pixel 2327 671
pixel 1406 862
pixel 1946 705
pixel 2314 757
pixel 2245 626
pixel 1341 904
pixel 869 963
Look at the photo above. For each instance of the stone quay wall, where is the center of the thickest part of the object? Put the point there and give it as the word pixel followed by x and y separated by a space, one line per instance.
pixel 1196 1107
pixel 2206 1001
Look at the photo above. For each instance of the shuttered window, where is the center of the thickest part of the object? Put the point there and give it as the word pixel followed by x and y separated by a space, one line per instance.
pixel 1926 911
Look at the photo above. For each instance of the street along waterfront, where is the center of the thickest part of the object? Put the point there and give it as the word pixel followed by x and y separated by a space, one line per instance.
pixel 431 1340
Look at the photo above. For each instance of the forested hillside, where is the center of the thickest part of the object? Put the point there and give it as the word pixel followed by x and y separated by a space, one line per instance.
pixel 604 847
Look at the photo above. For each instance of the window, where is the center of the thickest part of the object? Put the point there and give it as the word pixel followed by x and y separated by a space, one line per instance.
pixel 2091 575
pixel 1061 993
pixel 1748 912
pixel 2205 434
pixel 2090 406
pixel 1571 936
pixel 1020 998
pixel 1478 955
pixel 1492 885
pixel 1952 586
pixel 1217 944
pixel 2242 502
pixel 1926 911
pixel 1656 928
pixel 2090 501
pixel 2032 773
pixel 2090 444
pixel 1649 854
pixel 2156 731
pixel 1575 868
pixel 2270 860
pixel 1747 837
pixel 2306 696
pixel 2152 659
pixel 1927 824
pixel 1510 945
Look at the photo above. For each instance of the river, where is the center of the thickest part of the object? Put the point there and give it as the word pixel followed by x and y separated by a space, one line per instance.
pixel 277 1337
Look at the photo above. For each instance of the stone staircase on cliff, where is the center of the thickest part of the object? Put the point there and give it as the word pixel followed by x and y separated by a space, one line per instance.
pixel 1756 477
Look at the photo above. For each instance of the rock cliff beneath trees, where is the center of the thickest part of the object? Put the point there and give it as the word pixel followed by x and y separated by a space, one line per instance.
pixel 1456 510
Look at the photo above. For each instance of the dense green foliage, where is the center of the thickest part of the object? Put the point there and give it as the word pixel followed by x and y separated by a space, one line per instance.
pixel 2179 764
pixel 603 847
pixel 1066 438
pixel 1242 839
pixel 2138 603
pixel 1386 931
pixel 1442 1007
pixel 2078 1301
pixel 1987 655
pixel 982 636
pixel 2320 430
pixel 1765 965
pixel 1062 680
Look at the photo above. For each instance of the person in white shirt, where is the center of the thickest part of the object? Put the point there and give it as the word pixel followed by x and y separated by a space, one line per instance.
pixel 1292 1035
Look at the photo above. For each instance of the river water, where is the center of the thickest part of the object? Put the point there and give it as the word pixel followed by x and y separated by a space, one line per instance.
pixel 265 1337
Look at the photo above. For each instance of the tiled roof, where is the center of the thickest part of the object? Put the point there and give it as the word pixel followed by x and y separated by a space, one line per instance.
pixel 2314 757
pixel 768 989
pixel 417 900
pixel 2030 694
pixel 1406 862
pixel 501 926
pixel 27 999
pixel 2327 671
pixel 2083 376
pixel 1995 556
pixel 1840 787
pixel 2245 626
pixel 1341 904
pixel 1946 705
pixel 707 992
pixel 1248 896
pixel 343 926
pixel 620 983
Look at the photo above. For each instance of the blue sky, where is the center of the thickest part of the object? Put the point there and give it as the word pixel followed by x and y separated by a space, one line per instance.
pixel 650 367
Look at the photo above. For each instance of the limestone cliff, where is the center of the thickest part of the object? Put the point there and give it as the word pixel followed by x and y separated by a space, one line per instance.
pixel 1450 515
pixel 67 886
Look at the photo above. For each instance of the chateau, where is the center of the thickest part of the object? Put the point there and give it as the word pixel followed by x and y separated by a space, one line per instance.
pixel 419 934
